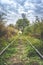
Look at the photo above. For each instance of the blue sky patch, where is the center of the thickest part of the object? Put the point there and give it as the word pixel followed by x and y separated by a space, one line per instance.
pixel 14 9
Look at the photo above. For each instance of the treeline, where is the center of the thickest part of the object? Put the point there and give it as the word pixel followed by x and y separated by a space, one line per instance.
pixel 6 31
pixel 35 29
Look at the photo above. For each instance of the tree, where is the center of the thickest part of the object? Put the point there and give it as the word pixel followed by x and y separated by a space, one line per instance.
pixel 41 28
pixel 2 26
pixel 36 25
pixel 11 25
pixel 2 18
pixel 22 23
pixel 37 28
pixel 27 30
pixel 10 31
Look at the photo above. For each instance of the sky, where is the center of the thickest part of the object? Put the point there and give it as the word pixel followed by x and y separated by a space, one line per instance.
pixel 14 9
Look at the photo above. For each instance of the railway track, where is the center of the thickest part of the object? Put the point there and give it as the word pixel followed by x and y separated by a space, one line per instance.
pixel 27 42
pixel 7 46
pixel 37 51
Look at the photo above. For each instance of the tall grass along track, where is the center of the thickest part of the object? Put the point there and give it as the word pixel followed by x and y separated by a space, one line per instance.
pixel 6 47
pixel 35 48
pixel 28 42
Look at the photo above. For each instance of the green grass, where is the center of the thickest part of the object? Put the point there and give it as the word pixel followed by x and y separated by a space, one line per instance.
pixel 30 53
pixel 7 54
pixel 3 44
pixel 9 51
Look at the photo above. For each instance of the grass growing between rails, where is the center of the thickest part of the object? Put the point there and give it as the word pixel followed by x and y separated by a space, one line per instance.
pixel 8 53
pixel 30 53
pixel 34 58
pixel 4 42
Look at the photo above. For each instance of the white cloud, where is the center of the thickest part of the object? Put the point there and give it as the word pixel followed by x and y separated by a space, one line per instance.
pixel 14 4
pixel 9 2
pixel 14 8
pixel 29 5
pixel 42 1
pixel 30 11
pixel 5 1
pixel 20 9
pixel 0 8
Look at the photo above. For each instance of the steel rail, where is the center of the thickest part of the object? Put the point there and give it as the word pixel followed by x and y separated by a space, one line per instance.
pixel 35 49
pixel 6 48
